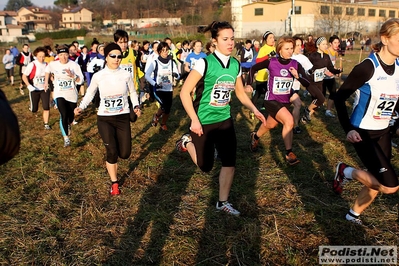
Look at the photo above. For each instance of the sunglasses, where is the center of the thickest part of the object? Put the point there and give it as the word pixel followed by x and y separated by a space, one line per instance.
pixel 119 56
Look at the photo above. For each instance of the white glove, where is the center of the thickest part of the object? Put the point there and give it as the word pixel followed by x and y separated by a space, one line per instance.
pixel 31 88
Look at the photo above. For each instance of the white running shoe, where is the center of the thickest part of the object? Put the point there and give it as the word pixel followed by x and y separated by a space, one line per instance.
pixel 228 208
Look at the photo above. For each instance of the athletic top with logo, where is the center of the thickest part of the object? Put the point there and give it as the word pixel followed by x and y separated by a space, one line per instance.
pixel 264 53
pixel 128 63
pixel 280 81
pixel 192 58
pixel 114 86
pixel 64 85
pixel 162 74
pixel 375 101
pixel 213 93
pixel 36 71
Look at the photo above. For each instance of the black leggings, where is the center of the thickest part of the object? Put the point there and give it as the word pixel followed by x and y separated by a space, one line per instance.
pixel 375 152
pixel 316 90
pixel 35 97
pixel 260 89
pixel 331 86
pixel 66 109
pixel 220 135
pixel 115 133
pixel 165 99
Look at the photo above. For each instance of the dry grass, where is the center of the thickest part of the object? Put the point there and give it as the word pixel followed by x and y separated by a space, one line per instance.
pixel 55 207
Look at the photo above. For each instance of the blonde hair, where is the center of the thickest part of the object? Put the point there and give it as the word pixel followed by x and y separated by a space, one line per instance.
pixel 283 40
pixel 388 29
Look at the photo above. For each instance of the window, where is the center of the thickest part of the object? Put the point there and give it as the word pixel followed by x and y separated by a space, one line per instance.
pixel 392 13
pixel 258 11
pixel 337 10
pixel 382 13
pixel 64 18
pixel 361 12
pixel 350 11
pixel 1 22
pixel 371 12
pixel 298 10
pixel 70 18
pixel 70 25
pixel 324 10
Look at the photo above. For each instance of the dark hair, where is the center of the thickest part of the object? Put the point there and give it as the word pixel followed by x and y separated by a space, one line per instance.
pixel 145 42
pixel 48 47
pixel 73 43
pixel 120 34
pixel 25 44
pixel 40 49
pixel 298 38
pixel 215 27
pixel 248 41
pixel 94 42
pixel 332 38
pixel 208 46
pixel 167 38
pixel 162 45
pixel 185 42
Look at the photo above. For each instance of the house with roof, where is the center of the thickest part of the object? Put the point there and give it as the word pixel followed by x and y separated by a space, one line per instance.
pixel 34 19
pixel 76 18
pixel 9 28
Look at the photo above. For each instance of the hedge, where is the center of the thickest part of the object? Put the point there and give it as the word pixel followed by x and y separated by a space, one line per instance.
pixel 63 34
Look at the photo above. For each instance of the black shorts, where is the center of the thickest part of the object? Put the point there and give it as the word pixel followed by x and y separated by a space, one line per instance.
pixel 221 136
pixel 375 152
pixel 272 107
pixel 10 72
pixel 165 99
pixel 35 97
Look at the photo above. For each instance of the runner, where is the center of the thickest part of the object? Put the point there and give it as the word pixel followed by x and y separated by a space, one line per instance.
pixel 23 59
pixel 211 121
pixel 282 72
pixel 161 74
pixel 322 66
pixel 115 85
pixel 33 77
pixel 8 61
pixel 329 82
pixel 375 81
pixel 247 59
pixel 66 76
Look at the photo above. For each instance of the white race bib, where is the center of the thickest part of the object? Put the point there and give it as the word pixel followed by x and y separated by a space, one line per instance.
pixel 282 85
pixel 128 68
pixel 221 93
pixel 113 104
pixel 66 84
pixel 385 106
pixel 318 74
pixel 38 82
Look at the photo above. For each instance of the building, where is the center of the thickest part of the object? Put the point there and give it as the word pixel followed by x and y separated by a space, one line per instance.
pixel 316 17
pixel 9 28
pixel 34 19
pixel 76 18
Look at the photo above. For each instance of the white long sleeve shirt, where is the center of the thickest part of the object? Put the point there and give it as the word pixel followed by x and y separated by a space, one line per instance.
pixel 64 85
pixel 114 86
pixel 38 79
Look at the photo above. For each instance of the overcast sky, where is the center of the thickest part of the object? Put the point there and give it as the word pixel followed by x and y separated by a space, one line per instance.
pixel 38 3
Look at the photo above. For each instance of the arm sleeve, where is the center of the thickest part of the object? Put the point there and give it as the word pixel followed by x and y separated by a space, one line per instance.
pixel 148 71
pixel 358 77
pixel 91 91
pixel 255 68
pixel 303 79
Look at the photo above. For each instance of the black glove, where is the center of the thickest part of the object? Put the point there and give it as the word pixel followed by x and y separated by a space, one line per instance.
pixel 175 75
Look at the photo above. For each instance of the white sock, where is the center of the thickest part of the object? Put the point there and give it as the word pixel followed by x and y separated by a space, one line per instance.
pixel 348 172
pixel 351 215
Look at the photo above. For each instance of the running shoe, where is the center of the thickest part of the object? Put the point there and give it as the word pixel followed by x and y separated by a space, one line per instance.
pixel 115 189
pixel 307 115
pixel 228 208
pixel 154 121
pixel 74 122
pixel 21 91
pixel 339 179
pixel 297 130
pixel 164 127
pixel 292 159
pixel 252 115
pixel 67 142
pixel 254 142
pixel 352 219
pixel 329 113
pixel 181 144
pixel 303 120
pixel 47 127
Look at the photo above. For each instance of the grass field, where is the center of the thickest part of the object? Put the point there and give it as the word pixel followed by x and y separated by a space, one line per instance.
pixel 55 207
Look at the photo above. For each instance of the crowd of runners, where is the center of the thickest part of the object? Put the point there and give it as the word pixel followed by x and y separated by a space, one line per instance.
pixel 122 75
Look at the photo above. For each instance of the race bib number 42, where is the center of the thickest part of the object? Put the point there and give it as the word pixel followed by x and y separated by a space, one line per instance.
pixel 385 106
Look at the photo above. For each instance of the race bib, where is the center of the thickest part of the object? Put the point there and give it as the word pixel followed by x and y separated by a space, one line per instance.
pixel 282 85
pixel 128 68
pixel 318 74
pixel 38 82
pixel 221 93
pixel 113 104
pixel 385 106
pixel 66 84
